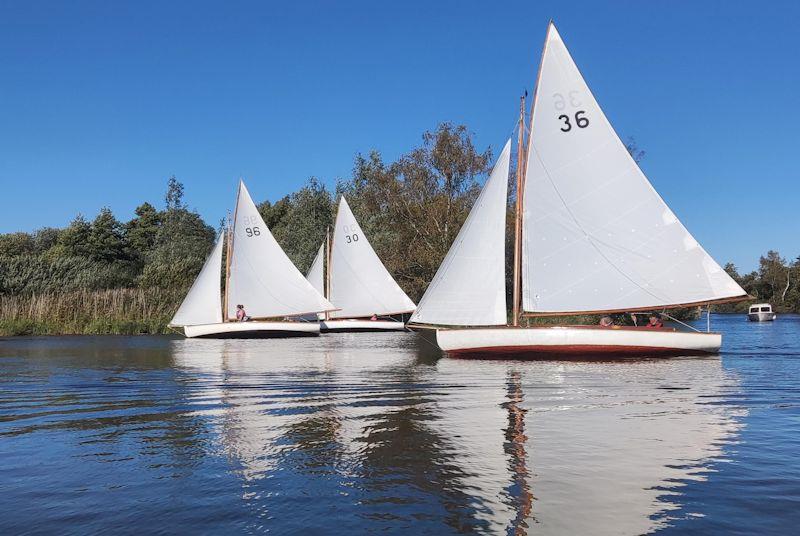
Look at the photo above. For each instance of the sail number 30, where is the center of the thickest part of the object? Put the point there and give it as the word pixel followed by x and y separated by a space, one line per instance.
pixel 350 234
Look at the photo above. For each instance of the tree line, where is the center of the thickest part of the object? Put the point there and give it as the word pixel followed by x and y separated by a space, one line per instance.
pixel 411 210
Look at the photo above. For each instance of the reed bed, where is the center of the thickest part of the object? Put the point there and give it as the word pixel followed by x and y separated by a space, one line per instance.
pixel 112 311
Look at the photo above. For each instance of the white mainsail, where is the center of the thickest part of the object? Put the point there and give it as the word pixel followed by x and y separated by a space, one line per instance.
pixel 203 303
pixel 597 236
pixel 262 278
pixel 469 287
pixel 316 274
pixel 360 283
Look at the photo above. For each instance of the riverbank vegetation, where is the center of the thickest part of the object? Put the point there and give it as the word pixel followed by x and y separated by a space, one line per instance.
pixel 105 275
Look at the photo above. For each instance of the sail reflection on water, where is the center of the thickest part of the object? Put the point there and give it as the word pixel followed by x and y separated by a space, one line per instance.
pixel 385 435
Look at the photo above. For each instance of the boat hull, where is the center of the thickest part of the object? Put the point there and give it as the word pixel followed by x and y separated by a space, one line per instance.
pixel 362 326
pixel 252 330
pixel 574 342
pixel 761 317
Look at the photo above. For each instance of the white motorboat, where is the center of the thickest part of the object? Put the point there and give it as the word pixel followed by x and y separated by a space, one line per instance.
pixel 592 236
pixel 761 312
pixel 349 273
pixel 258 274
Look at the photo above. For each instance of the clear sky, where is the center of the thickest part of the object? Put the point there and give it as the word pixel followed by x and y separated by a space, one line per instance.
pixel 101 101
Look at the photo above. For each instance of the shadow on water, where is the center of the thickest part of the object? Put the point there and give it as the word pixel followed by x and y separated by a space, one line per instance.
pixel 365 433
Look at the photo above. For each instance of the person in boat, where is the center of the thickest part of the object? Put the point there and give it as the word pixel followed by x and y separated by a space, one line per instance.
pixel 655 322
pixel 606 322
pixel 373 317
pixel 241 315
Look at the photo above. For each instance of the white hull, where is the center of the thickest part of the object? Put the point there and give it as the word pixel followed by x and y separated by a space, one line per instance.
pixel 574 342
pixel 328 326
pixel 252 330
pixel 761 317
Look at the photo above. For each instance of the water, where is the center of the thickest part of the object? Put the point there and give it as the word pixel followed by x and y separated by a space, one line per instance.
pixel 376 433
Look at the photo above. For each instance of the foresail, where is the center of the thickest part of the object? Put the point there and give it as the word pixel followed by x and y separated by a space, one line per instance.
pixel 316 274
pixel 360 284
pixel 469 287
pixel 597 236
pixel 203 303
pixel 262 278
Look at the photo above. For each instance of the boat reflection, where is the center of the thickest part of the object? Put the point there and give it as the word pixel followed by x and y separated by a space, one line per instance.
pixel 376 434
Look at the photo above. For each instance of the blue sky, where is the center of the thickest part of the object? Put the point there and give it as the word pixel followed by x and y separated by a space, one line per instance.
pixel 101 101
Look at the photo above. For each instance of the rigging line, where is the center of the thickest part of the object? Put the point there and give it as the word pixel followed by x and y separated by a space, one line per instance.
pixel 588 236
pixel 662 313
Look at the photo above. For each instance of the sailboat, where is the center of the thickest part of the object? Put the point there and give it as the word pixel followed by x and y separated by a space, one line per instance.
pixel 592 236
pixel 259 276
pixel 356 281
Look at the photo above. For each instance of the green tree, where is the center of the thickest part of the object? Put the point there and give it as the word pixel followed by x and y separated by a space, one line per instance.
pixel 74 240
pixel 413 209
pixel 106 242
pixel 142 230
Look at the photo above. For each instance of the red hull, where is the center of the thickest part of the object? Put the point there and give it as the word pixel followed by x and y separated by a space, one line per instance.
pixel 571 352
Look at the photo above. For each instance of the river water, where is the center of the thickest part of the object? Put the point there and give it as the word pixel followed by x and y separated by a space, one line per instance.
pixel 361 433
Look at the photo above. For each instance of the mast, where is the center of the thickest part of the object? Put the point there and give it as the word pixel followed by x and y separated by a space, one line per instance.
pixel 229 256
pixel 327 285
pixel 518 216
pixel 228 251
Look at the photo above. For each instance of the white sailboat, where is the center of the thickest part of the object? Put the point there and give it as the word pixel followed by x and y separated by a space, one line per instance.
pixel 358 284
pixel 259 276
pixel 592 236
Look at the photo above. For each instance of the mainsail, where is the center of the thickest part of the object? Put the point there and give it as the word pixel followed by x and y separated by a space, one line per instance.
pixel 360 283
pixel 469 287
pixel 597 236
pixel 262 278
pixel 203 303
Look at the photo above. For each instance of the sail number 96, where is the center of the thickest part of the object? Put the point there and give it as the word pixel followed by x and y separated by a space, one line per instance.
pixel 350 234
pixel 580 120
pixel 251 229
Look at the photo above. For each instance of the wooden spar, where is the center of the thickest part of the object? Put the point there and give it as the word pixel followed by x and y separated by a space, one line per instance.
pixel 518 217
pixel 228 251
pixel 327 285
pixel 653 308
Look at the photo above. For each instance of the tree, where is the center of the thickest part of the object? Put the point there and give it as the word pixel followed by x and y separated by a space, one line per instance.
pixel 141 231
pixel 413 209
pixel 74 240
pixel 174 197
pixel 106 242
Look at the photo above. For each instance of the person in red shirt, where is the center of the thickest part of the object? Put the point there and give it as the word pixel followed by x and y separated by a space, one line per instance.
pixel 241 315
pixel 655 322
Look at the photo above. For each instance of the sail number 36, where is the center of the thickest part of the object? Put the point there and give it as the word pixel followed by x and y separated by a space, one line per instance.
pixel 560 103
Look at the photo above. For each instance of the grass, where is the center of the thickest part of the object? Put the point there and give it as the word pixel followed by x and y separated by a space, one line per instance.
pixel 93 312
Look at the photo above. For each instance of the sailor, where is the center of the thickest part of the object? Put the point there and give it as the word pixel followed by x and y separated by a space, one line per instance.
pixel 606 322
pixel 241 315
pixel 655 322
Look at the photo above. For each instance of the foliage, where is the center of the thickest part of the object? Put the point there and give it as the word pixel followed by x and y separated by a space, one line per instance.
pixel 126 277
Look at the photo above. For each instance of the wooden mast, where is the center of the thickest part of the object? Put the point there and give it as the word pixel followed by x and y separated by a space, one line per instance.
pixel 328 269
pixel 518 215
pixel 229 252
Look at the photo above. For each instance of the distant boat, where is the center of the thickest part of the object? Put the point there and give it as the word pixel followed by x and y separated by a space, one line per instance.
pixel 592 236
pixel 259 276
pixel 356 281
pixel 761 312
